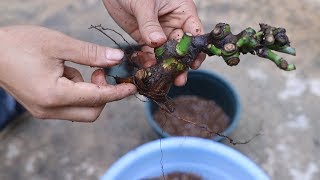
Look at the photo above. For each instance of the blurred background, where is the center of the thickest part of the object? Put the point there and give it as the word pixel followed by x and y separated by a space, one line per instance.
pixel 283 106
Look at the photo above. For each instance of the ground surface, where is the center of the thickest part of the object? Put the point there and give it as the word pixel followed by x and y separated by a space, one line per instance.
pixel 285 105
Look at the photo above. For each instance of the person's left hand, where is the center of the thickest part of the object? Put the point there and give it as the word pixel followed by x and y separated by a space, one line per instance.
pixel 33 70
pixel 152 22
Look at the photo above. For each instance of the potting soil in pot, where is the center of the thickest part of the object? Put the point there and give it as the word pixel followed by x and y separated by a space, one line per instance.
pixel 196 109
pixel 177 176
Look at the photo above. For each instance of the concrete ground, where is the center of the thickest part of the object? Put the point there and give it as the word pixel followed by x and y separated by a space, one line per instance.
pixel 282 105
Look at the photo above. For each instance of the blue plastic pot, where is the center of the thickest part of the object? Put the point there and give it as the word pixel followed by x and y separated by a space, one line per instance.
pixel 203 157
pixel 209 86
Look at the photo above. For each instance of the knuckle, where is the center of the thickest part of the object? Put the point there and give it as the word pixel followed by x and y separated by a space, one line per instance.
pixel 133 5
pixel 96 101
pixel 90 52
pixel 150 25
pixel 39 113
pixel 48 100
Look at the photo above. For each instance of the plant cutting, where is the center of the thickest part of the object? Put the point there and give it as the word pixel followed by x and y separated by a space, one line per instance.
pixel 175 57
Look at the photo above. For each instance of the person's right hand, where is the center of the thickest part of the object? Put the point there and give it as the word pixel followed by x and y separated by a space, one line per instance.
pixel 153 22
pixel 32 69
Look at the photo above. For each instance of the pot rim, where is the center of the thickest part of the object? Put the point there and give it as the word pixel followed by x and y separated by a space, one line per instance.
pixel 183 144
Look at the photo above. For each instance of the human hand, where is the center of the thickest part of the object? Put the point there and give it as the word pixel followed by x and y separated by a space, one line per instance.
pixel 151 23
pixel 32 69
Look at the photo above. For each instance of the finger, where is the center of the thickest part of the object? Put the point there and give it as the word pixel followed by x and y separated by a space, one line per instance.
pixel 176 34
pixel 67 48
pixel 79 114
pixel 99 78
pixel 72 74
pixel 198 61
pixel 181 79
pixel 122 14
pixel 89 94
pixel 146 13
pixel 143 59
pixel 193 23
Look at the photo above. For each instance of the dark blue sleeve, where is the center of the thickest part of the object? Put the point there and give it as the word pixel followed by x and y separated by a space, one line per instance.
pixel 7 108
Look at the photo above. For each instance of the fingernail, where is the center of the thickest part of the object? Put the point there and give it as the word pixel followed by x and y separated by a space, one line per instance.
pixel 157 37
pixel 114 54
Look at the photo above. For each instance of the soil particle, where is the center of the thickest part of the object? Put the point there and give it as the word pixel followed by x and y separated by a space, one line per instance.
pixel 154 43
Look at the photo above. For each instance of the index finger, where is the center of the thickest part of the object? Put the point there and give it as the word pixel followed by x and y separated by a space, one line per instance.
pixel 193 23
pixel 194 26
pixel 89 94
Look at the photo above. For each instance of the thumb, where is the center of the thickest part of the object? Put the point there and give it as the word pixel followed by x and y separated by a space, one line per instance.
pixel 149 26
pixel 86 53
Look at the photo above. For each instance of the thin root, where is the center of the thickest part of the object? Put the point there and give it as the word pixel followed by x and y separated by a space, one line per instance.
pixel 102 29
pixel 203 126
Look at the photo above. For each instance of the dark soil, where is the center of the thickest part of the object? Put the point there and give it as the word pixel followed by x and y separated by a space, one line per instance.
pixel 196 109
pixel 177 176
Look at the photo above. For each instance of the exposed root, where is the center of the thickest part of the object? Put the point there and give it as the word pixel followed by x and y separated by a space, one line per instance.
pixel 100 29
pixel 206 128
pixel 127 53
pixel 108 29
